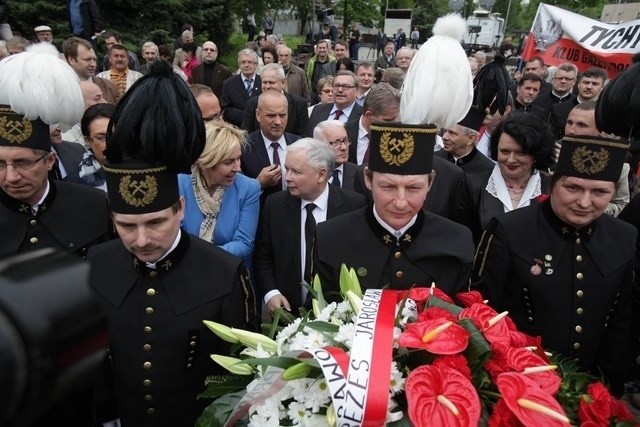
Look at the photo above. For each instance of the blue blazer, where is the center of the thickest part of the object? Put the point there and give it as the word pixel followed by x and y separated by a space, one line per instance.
pixel 237 222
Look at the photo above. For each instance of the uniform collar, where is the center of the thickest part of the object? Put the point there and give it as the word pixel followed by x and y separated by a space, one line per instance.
pixel 566 231
pixel 24 208
pixel 386 237
pixel 464 159
pixel 167 263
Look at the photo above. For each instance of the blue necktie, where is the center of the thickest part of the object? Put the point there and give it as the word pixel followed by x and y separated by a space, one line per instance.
pixel 336 178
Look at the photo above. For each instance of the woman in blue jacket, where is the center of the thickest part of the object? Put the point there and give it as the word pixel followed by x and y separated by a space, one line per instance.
pixel 222 205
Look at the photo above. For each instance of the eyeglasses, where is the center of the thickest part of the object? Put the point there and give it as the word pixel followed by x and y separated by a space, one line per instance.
pixel 343 86
pixel 339 142
pixel 564 79
pixel 21 165
pixel 99 138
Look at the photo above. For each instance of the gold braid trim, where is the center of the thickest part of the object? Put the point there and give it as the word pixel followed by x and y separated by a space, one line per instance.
pixel 404 130
pixel 250 307
pixel 594 141
pixel 481 253
pixel 134 171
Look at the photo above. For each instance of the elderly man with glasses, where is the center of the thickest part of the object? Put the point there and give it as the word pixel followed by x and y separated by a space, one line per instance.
pixel 344 106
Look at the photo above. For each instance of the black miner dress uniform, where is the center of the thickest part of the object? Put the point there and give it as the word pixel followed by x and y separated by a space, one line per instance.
pixel 72 217
pixel 571 287
pixel 159 312
pixel 433 249
pixel 160 348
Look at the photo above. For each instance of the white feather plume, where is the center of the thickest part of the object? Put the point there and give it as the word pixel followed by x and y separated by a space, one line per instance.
pixel 38 84
pixel 438 88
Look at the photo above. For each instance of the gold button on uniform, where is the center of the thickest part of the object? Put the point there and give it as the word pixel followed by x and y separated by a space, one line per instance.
pixel 146 347
pixel 189 365
pixel 576 345
pixel 146 365
pixel 579 329
pixel 399 274
pixel 192 343
pixel 579 276
pixel 153 274
pixel 580 311
pixel 578 241
pixel 530 319
pixel 33 222
pixel 579 258
pixel 148 397
pixel 579 294
pixel 147 383
pixel 397 255
pixel 148 329
pixel 151 292
pixel 148 310
pixel 151 411
pixel 34 240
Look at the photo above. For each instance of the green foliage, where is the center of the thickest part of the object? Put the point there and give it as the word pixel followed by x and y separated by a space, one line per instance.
pixel 366 12
pixel 24 16
pixel 217 413
pixel 425 14
pixel 219 385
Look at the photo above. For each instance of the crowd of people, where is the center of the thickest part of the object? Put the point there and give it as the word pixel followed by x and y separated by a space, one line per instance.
pixel 199 192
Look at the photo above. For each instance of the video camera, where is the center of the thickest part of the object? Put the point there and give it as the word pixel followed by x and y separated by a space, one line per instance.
pixel 53 333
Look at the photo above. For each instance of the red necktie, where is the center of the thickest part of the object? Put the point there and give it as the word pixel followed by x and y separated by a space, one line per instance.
pixel 338 114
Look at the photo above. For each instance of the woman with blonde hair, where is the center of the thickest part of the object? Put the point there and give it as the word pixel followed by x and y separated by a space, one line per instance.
pixel 222 205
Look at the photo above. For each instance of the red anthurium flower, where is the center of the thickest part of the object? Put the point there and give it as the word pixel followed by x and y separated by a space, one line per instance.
pixel 597 406
pixel 529 402
pixel 437 336
pixel 441 396
pixel 455 361
pixel 440 294
pixel 534 367
pixel 469 298
pixel 621 411
pixel 436 313
pixel 492 325
pixel 502 416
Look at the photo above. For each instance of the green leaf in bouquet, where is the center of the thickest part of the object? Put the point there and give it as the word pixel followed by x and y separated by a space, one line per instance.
pixel 478 351
pixel 434 301
pixel 404 422
pixel 219 385
pixel 349 281
pixel 321 326
pixel 278 362
pixel 216 414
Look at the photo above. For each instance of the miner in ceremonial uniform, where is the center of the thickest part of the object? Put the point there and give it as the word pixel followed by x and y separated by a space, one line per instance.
pixel 564 270
pixel 393 242
pixel 36 212
pixel 156 283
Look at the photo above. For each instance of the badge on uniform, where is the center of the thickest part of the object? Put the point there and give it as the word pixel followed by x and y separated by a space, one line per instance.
pixel 361 271
pixel 536 268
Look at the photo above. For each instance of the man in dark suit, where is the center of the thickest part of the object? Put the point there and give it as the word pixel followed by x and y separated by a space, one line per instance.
pixel 210 72
pixel 288 221
pixel 68 157
pixel 273 78
pixel 460 145
pixel 382 104
pixel 263 158
pixel 344 107
pixel 561 89
pixel 345 175
pixel 238 89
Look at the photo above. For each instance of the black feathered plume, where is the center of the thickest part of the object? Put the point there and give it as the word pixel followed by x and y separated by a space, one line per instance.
pixel 618 106
pixel 491 86
pixel 157 122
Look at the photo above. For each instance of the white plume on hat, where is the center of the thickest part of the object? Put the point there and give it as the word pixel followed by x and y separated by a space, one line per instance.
pixel 438 88
pixel 38 84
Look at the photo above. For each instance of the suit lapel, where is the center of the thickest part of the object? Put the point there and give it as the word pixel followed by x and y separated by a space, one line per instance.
pixel 260 151
pixel 335 202
pixel 292 224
